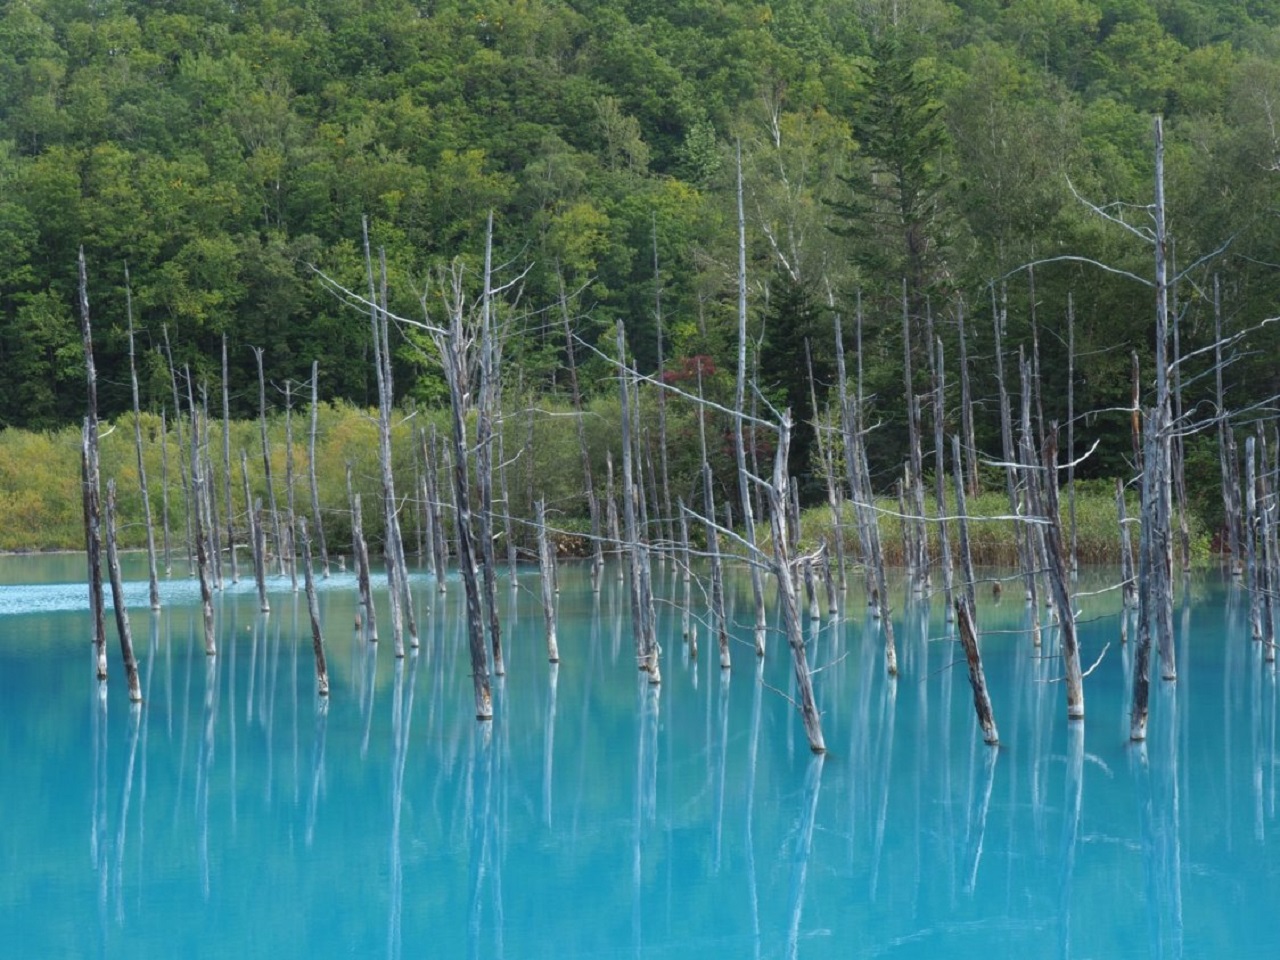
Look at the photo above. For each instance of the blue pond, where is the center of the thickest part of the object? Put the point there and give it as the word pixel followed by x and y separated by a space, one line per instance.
pixel 236 814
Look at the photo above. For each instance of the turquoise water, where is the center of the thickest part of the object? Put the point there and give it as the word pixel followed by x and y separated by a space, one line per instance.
pixel 236 814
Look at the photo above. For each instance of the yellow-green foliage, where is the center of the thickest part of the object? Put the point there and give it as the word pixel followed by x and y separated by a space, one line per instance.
pixel 40 492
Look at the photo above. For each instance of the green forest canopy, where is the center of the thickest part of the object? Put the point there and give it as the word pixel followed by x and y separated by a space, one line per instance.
pixel 222 149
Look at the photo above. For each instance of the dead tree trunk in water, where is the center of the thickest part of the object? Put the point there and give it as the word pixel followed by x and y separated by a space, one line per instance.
pixel 91 484
pixel 965 608
pixel 718 623
pixel 484 453
pixel 593 503
pixel 1142 655
pixel 546 561
pixel 360 551
pixel 646 642
pixel 316 518
pixel 313 609
pixel 257 539
pixel 118 599
pixel 153 580
pixel 226 465
pixel 177 423
pixel 164 492
pixel 277 535
pixel 1226 443
pixel 198 527
pixel 777 493
pixel 940 470
pixel 739 448
pixel 1007 448
pixel 1046 493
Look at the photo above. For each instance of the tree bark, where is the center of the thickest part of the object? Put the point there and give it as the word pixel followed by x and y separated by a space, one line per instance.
pixel 118 599
pixel 91 484
pixel 313 609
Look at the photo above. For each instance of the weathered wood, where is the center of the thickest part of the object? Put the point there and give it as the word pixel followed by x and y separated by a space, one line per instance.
pixel 1139 710
pixel 1008 451
pixel 1226 443
pixel 360 551
pixel 777 494
pixel 90 482
pixel 199 528
pixel 484 453
pixel 739 448
pixel 546 561
pixel 313 608
pixel 164 492
pixel 1045 492
pixel 641 592
pixel 290 519
pixel 668 520
pixel 210 506
pixel 317 519
pixel 1128 576
pixel 966 404
pixel 257 538
pixel 687 629
pixel 184 475
pixel 939 376
pixel 977 679
pixel 593 503
pixel 439 549
pixel 153 580
pixel 1032 533
pixel 118 599
pixel 1074 558
pixel 229 510
pixel 719 623
pixel 277 533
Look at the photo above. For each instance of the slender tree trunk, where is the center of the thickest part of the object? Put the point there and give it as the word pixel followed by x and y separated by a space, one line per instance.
pixel 316 518
pixel 1161 509
pixel 1226 443
pixel 719 623
pixel 546 562
pixel 439 549
pixel 91 484
pixel 360 548
pixel 257 537
pixel 210 505
pixel 966 406
pixel 1074 559
pixel 940 472
pixel 1046 495
pixel 1127 573
pixel 292 514
pixel 662 394
pixel 226 465
pixel 153 580
pixel 977 679
pixel 182 446
pixel 777 493
pixel 484 454
pixel 118 599
pixel 1251 539
pixel 593 504
pixel 1007 449
pixel 313 608
pixel 277 534
pixel 164 492
pixel 739 448
pixel 646 645
pixel 199 528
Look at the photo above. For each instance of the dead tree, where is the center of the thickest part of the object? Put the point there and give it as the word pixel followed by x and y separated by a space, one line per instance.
pixel 316 518
pixel 484 452
pixel 637 548
pixel 277 534
pixel 1044 491
pixel 593 503
pixel 153 581
pixel 184 475
pixel 1226 443
pixel 226 465
pixel 199 530
pixel 91 484
pixel 118 599
pixel 546 563
pixel 739 448
pixel 313 609
pixel 257 538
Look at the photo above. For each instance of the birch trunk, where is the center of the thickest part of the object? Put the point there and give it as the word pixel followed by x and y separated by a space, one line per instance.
pixel 153 580
pixel 91 484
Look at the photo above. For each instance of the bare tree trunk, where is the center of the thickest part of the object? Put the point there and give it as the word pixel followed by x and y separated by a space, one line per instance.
pixel 1251 540
pixel 777 493
pixel 940 471
pixel 439 550
pixel 1033 534
pixel 484 453
pixel 291 520
pixel 1074 559
pixel 641 595
pixel 546 562
pixel 1045 493
pixel 313 609
pixel 257 537
pixel 593 504
pixel 688 630
pixel 360 548
pixel 210 505
pixel 739 448
pixel 1127 573
pixel 316 518
pixel 966 406
pixel 153 581
pixel 669 531
pixel 118 599
pixel 164 491
pixel 1008 450
pixel 199 528
pixel 182 446
pixel 277 534
pixel 977 679
pixel 226 466
pixel 1142 655
pixel 91 484
pixel 1226 443
pixel 719 623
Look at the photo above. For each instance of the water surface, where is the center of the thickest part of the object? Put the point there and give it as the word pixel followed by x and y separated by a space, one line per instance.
pixel 598 816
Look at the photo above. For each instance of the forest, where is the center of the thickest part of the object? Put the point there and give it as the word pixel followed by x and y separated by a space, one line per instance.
pixel 899 159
